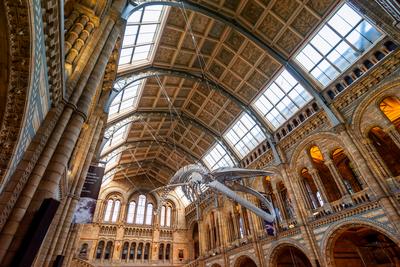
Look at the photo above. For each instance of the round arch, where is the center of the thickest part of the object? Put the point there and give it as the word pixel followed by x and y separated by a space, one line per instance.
pixel 373 100
pixel 335 231
pixel 245 261
pixel 276 249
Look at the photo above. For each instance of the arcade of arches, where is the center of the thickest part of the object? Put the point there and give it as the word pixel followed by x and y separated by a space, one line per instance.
pixel 103 101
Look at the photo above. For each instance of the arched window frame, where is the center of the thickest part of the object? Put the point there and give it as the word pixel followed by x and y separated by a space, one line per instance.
pixel 130 214
pixel 112 209
pixel 149 214
pixel 167 215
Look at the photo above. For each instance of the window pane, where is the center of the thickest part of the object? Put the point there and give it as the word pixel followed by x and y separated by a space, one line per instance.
pixel 149 214
pixel 140 209
pixel 276 105
pixel 217 157
pixel 107 213
pixel 333 43
pixel 162 216
pixel 245 135
pixel 168 219
pixel 117 205
pixel 131 212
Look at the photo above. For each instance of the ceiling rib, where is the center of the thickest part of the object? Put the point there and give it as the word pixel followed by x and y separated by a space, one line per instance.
pixel 140 115
pixel 292 68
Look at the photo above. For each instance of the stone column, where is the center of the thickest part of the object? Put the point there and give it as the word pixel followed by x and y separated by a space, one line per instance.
pixel 317 180
pixel 54 171
pixel 338 180
pixel 280 204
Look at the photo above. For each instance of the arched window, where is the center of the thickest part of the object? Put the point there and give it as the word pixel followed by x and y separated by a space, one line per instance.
pixel 325 175
pixel 107 213
pixel 162 216
pixel 146 251
pixel 117 205
pixel 108 251
pixel 161 252
pixel 386 148
pixel 124 253
pixel 167 251
pixel 132 251
pixel 311 189
pixel 131 212
pixel 83 251
pixel 140 209
pixel 390 106
pixel 99 250
pixel 149 214
pixel 139 251
pixel 346 170
pixel 168 217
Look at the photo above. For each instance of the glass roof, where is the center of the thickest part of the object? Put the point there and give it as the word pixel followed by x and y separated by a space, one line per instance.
pixel 245 135
pixel 338 44
pixel 218 157
pixel 141 33
pixel 281 99
pixel 126 100
pixel 181 196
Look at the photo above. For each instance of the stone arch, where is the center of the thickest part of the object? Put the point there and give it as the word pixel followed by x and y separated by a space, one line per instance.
pixel 270 257
pixel 104 194
pixel 16 81
pixel 372 100
pixel 246 258
pixel 308 142
pixel 335 230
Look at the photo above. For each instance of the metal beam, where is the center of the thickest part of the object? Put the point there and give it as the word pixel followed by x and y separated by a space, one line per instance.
pixel 133 144
pixel 140 115
pixel 152 71
pixel 293 69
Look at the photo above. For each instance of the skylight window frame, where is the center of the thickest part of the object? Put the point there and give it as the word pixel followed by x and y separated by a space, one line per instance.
pixel 286 93
pixel 153 45
pixel 247 132
pixel 135 100
pixel 343 38
pixel 217 164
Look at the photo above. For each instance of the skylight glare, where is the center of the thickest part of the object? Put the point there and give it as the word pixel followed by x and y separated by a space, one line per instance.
pixel 117 138
pixel 282 98
pixel 338 44
pixel 245 135
pixel 140 36
pixel 218 157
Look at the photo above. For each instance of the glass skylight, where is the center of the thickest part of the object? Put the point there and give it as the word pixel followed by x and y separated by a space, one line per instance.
pixel 117 138
pixel 126 99
pixel 282 98
pixel 245 135
pixel 218 157
pixel 140 35
pixel 343 39
pixel 181 196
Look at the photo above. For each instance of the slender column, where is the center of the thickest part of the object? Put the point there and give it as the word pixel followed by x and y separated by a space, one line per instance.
pixel 280 204
pixel 73 200
pixel 394 134
pixel 315 175
pixel 337 177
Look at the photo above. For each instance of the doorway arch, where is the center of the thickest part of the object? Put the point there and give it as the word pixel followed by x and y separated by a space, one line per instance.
pixel 289 255
pixel 245 261
pixel 359 245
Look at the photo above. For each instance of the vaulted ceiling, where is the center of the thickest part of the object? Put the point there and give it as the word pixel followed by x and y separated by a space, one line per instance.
pixel 197 89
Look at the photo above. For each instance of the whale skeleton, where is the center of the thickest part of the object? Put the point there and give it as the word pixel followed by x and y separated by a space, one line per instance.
pixel 195 179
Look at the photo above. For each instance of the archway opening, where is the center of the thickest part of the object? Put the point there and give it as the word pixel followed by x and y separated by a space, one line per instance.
pixel 386 148
pixel 291 256
pixel 346 170
pixel 245 261
pixel 390 106
pixel 363 246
